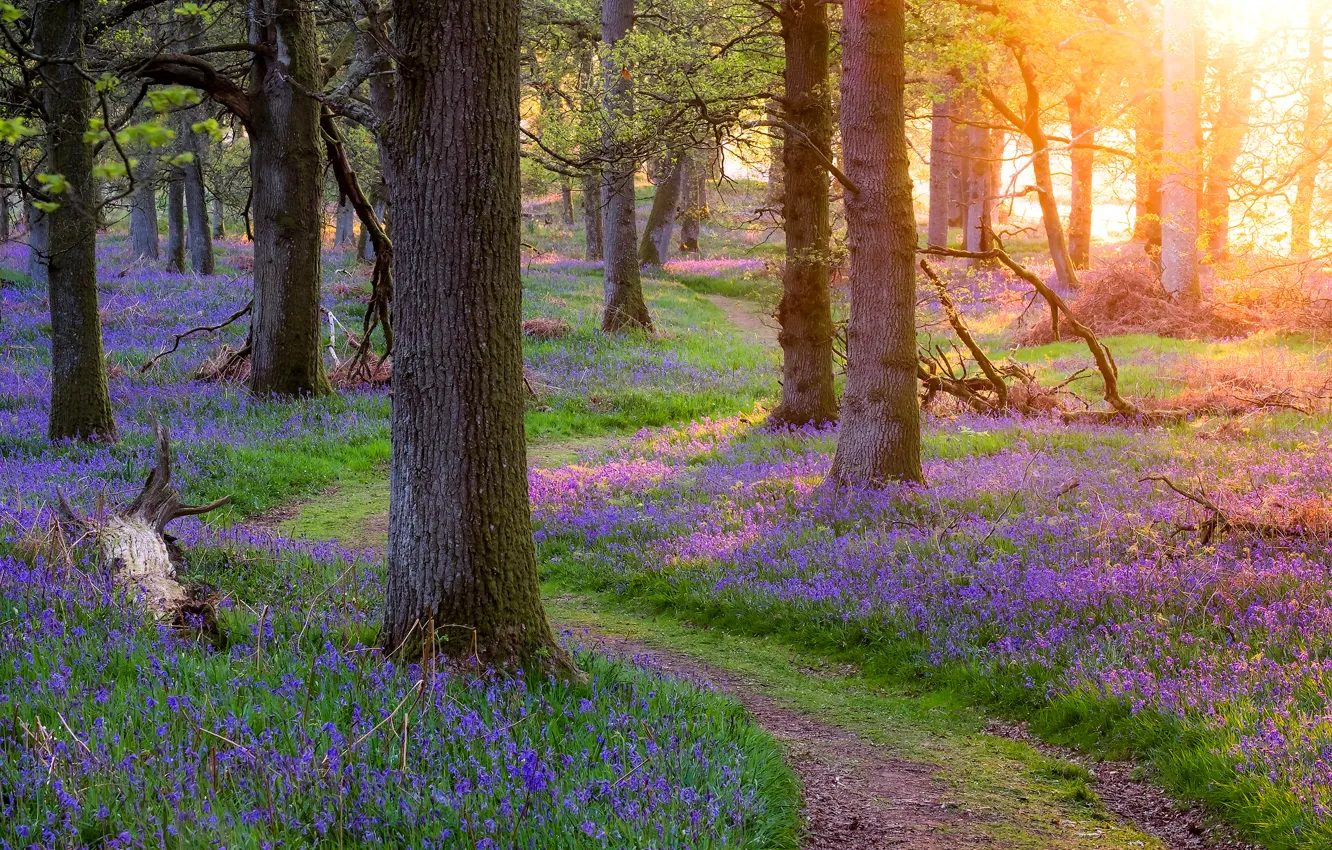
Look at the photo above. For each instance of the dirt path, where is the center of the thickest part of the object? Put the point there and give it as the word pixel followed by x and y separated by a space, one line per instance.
pixel 748 318
pixel 856 795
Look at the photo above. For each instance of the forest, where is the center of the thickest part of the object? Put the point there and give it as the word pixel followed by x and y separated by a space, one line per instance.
pixel 755 424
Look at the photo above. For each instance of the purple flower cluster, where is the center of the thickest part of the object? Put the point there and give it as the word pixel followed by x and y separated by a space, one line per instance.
pixel 1036 551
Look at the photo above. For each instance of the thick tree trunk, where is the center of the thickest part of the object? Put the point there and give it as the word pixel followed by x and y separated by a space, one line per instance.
pixel 80 403
pixel 1147 177
pixel 655 248
pixel 175 251
pixel 880 435
pixel 624 303
pixel 219 222
pixel 1082 157
pixel 1179 184
pixel 200 237
pixel 805 311
pixel 693 204
pixel 1315 114
pixel 1229 128
pixel 346 229
pixel 5 214
pixel 591 185
pixel 461 562
pixel 286 171
pixel 941 167
pixel 143 208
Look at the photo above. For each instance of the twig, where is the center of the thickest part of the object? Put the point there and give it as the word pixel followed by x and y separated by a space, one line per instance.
pixel 181 337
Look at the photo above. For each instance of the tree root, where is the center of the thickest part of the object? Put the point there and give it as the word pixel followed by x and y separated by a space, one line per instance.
pixel 144 559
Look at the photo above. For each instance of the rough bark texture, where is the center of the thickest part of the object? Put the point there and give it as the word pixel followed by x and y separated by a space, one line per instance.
pixel 941 168
pixel 346 228
pixel 143 208
pixel 655 248
pixel 461 560
pixel 591 185
pixel 1147 177
pixel 624 304
pixel 1229 128
pixel 80 403
pixel 286 171
pixel 805 311
pixel 200 236
pixel 1315 113
pixel 1179 179
pixel 694 205
pixel 175 250
pixel 1082 159
pixel 880 435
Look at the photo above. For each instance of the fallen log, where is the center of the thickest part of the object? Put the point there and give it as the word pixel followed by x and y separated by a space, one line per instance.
pixel 143 558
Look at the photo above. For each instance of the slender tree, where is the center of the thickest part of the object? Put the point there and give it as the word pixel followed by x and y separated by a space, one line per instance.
pixel 200 236
pixel 1179 180
pixel 175 250
pixel 941 166
pixel 1147 176
pixel 655 248
pixel 625 306
pixel 805 311
pixel 592 206
pixel 80 402
pixel 461 561
pixel 1315 114
pixel 880 435
pixel 1082 160
pixel 693 202
pixel 143 208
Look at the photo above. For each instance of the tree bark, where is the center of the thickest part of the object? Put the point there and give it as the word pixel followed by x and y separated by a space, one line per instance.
pixel 286 171
pixel 461 561
pixel 346 229
pixel 1229 128
pixel 143 208
pixel 219 222
pixel 941 167
pixel 1179 184
pixel 694 204
pixel 1147 177
pixel 591 184
pixel 805 311
pixel 566 201
pixel 80 403
pixel 978 234
pixel 625 306
pixel 1315 113
pixel 175 252
pixel 39 228
pixel 1082 158
pixel 655 248
pixel 880 435
pixel 200 239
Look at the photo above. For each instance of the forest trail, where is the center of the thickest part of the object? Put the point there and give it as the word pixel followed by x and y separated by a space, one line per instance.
pixel 748 317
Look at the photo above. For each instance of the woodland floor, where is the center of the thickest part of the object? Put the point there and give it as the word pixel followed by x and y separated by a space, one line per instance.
pixel 880 767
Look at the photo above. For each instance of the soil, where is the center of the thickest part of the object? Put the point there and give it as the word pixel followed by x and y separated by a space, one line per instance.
pixel 747 318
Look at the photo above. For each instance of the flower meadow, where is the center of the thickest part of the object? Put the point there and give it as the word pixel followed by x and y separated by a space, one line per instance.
pixel 288 729
pixel 1036 570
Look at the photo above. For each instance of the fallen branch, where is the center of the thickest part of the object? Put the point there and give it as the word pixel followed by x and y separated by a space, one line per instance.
pixel 181 337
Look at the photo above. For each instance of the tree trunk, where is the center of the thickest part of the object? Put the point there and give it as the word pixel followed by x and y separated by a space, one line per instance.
pixel 39 228
pixel 1147 177
pixel 345 234
pixel 1315 113
pixel 805 311
pixel 143 208
pixel 880 434
pixel 655 248
pixel 1229 128
pixel 566 201
pixel 175 220
pixel 978 235
pixel 941 168
pixel 80 403
pixel 286 171
pixel 196 205
pixel 1179 184
pixel 591 191
pixel 694 207
pixel 1082 158
pixel 219 222
pixel 625 306
pixel 461 562
pixel 5 214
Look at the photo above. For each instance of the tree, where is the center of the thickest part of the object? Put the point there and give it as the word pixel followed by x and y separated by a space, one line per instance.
pixel 461 559
pixel 80 402
pixel 1082 160
pixel 175 250
pixel 942 164
pixel 880 435
pixel 625 306
pixel 655 248
pixel 1315 113
pixel 1179 183
pixel 143 208
pixel 805 311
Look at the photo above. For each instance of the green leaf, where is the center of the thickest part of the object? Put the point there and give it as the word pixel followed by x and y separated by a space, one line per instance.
pixel 46 206
pixel 55 184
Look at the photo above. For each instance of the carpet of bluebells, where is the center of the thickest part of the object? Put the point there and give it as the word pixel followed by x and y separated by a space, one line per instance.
pixel 1035 562
pixel 291 731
